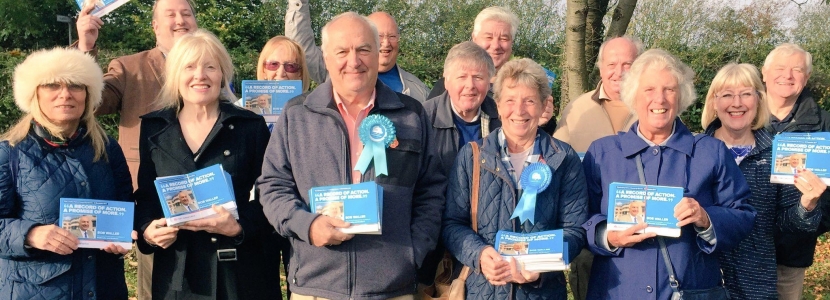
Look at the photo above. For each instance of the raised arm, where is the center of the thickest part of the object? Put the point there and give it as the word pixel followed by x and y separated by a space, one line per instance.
pixel 298 28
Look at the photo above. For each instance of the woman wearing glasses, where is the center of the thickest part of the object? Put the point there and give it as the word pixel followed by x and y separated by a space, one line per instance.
pixel 282 59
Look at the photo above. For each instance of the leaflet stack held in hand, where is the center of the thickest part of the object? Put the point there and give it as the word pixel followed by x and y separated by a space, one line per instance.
pixel 98 223
pixel 543 251
pixel 361 205
pixel 191 196
pixel 630 204
pixel 268 97
pixel 102 7
pixel 794 151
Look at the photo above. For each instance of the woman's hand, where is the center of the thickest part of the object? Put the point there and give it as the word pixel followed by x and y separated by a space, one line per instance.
pixel 493 267
pixel 519 275
pixel 115 249
pixel 811 188
pixel 159 235
pixel 629 237
pixel 689 211
pixel 52 238
pixel 223 223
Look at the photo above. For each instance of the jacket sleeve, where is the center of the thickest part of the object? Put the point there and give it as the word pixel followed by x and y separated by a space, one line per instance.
pixel 428 195
pixel 459 238
pixel 281 201
pixel 298 28
pixel 792 216
pixel 147 205
pixel 13 230
pixel 574 205
pixel 114 86
pixel 251 217
pixel 596 218
pixel 731 217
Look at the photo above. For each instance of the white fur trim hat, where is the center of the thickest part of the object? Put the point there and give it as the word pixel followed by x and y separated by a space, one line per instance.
pixel 56 65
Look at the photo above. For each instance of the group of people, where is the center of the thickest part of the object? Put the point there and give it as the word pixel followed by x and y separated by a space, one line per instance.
pixel 457 159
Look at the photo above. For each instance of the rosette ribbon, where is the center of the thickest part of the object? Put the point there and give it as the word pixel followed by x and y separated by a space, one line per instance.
pixel 376 132
pixel 534 179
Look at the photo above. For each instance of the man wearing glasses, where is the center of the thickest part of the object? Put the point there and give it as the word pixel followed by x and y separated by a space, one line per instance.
pixel 298 28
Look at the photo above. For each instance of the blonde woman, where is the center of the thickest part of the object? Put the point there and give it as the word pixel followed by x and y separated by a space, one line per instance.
pixel 736 112
pixel 57 150
pixel 220 257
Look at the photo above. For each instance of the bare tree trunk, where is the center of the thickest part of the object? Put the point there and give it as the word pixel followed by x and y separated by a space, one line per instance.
pixel 574 69
pixel 594 36
pixel 621 18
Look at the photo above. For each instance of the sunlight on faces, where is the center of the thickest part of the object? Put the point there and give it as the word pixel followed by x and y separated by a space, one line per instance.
pixel 389 40
pixel 283 54
pixel 62 104
pixel 171 20
pixel 495 38
pixel 467 85
pixel 617 58
pixel 520 107
pixel 786 76
pixel 737 106
pixel 656 102
pixel 351 56
pixel 200 81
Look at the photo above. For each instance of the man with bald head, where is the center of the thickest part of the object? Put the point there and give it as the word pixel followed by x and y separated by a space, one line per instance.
pixel 298 28
pixel 596 114
pixel 316 143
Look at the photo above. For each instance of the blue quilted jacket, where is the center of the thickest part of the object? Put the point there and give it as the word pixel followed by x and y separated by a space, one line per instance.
pixel 44 175
pixel 563 205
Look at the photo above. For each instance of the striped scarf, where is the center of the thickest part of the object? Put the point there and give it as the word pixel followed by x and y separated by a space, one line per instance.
pixel 534 156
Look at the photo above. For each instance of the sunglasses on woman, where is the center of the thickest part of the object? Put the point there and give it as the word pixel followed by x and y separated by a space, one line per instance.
pixel 271 65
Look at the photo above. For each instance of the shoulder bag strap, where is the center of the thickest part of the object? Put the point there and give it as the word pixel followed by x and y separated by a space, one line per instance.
pixel 666 259
pixel 474 187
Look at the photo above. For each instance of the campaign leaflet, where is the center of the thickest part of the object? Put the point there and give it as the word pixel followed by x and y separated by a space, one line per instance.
pixel 102 7
pixel 360 204
pixel 268 97
pixel 190 196
pixel 538 251
pixel 797 151
pixel 98 223
pixel 630 204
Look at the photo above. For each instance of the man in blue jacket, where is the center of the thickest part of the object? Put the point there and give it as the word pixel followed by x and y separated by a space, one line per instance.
pixel 316 143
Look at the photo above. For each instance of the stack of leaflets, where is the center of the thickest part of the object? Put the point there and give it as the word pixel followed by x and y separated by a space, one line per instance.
pixel 268 97
pixel 793 151
pixel 102 7
pixel 360 204
pixel 630 204
pixel 98 223
pixel 190 196
pixel 538 251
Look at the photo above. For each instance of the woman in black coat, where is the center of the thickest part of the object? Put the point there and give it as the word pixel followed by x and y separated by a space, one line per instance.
pixel 197 128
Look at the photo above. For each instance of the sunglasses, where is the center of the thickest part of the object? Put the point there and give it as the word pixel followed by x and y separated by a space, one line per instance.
pixel 57 86
pixel 271 65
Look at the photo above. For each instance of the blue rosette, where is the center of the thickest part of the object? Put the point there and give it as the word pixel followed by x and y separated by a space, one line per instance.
pixel 534 179
pixel 376 132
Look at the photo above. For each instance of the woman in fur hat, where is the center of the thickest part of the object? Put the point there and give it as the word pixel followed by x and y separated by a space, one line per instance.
pixel 57 150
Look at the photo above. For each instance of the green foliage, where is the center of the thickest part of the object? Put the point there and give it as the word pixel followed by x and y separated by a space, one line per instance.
pixel 33 24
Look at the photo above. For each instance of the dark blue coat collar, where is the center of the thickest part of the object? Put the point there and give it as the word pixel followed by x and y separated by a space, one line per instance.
pixel 322 98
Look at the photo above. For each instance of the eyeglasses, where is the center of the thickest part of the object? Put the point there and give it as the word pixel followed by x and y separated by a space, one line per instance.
pixel 271 65
pixel 57 86
pixel 744 95
pixel 391 37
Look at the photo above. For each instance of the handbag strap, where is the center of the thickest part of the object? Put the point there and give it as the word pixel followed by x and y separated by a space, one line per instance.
pixel 474 186
pixel 666 259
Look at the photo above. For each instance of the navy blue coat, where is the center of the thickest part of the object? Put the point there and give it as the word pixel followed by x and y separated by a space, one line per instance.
pixel 703 166
pixel 561 206
pixel 45 174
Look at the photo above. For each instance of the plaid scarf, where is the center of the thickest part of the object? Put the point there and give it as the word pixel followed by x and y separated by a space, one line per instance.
pixel 534 156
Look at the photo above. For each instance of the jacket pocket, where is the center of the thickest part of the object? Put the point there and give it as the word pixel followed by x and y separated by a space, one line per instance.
pixel 403 162
pixel 36 272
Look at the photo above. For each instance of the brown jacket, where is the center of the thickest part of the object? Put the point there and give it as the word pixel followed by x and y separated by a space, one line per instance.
pixel 131 85
pixel 584 120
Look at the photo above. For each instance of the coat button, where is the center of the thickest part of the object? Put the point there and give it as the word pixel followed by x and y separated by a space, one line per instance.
pixel 89 257
pixel 213 240
pixel 655 151
pixel 649 289
pixel 230 127
pixel 589 223
pixel 227 153
pixel 482 161
pixel 83 183
pixel 91 294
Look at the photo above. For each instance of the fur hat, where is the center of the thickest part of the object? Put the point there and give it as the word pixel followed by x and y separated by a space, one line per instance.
pixel 56 65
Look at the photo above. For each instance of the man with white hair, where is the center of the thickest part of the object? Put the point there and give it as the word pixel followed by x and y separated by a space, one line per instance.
pixel 793 109
pixel 298 28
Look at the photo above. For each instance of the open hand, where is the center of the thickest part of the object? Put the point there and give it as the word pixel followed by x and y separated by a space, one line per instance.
pixel 629 237
pixel 52 238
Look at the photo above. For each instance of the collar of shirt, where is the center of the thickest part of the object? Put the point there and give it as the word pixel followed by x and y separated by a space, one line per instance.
pixel 652 144
pixel 535 156
pixel 602 94
pixel 345 112
pixel 455 111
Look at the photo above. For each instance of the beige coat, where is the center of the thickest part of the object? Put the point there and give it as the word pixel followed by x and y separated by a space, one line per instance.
pixel 584 120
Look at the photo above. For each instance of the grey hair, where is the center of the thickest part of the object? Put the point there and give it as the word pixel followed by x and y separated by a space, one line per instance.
pixel 469 54
pixel 522 71
pixel 788 49
pixel 655 60
pixel 633 40
pixel 324 33
pixel 497 13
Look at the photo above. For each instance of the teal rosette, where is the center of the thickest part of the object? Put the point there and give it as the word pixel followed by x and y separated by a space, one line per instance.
pixel 534 179
pixel 376 132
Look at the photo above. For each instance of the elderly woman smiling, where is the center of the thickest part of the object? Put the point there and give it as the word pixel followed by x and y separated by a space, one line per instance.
pixel 712 215
pixel 521 90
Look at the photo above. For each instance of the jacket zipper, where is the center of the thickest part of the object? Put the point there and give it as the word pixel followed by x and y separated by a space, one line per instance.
pixel 512 223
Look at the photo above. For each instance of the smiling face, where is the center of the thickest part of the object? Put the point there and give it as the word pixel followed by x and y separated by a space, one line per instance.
pixel 85 222
pixel 656 102
pixel 737 107
pixel 635 208
pixel 519 108
pixel 200 81
pixel 183 197
pixel 62 104
pixel 617 57
pixel 389 40
pixel 786 76
pixel 282 55
pixel 351 56
pixel 172 19
pixel 495 38
pixel 467 85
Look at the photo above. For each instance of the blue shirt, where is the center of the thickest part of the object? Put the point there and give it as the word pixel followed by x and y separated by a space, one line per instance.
pixel 392 79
